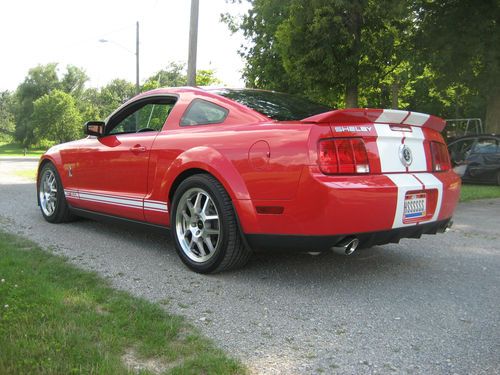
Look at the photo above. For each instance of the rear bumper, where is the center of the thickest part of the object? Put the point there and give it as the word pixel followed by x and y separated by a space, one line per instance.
pixel 321 243
pixel 326 206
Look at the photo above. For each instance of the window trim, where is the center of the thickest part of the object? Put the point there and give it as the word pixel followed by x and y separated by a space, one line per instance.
pixel 193 102
pixel 123 112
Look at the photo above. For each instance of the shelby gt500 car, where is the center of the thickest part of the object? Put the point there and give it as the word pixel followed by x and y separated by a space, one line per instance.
pixel 233 170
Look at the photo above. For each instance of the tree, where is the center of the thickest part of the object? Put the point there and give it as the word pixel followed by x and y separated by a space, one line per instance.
pixel 460 39
pixel 174 75
pixel 73 81
pixel 324 49
pixel 114 94
pixel 39 81
pixel 56 118
pixel 7 127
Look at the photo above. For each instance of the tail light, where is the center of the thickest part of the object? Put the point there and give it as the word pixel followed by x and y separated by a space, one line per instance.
pixel 343 156
pixel 440 157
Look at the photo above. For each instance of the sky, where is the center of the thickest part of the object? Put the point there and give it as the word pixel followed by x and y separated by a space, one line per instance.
pixel 68 32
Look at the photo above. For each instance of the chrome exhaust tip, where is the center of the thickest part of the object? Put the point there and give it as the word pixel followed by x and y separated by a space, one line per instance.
pixel 346 247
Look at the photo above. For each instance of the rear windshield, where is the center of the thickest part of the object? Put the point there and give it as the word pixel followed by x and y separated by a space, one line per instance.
pixel 276 105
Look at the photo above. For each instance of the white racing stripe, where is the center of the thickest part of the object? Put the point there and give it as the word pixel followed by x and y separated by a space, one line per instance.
pixel 404 183
pixel 388 142
pixel 118 200
pixel 415 141
pixel 431 182
pixel 408 182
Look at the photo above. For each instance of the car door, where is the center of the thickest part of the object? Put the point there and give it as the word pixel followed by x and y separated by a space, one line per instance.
pixel 111 172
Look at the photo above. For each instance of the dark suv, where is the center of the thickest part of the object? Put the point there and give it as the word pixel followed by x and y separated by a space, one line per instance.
pixel 476 158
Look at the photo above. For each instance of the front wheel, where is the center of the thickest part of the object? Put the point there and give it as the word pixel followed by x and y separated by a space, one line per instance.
pixel 51 196
pixel 205 228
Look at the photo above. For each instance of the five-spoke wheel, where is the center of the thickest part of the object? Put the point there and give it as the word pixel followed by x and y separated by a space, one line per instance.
pixel 204 226
pixel 51 195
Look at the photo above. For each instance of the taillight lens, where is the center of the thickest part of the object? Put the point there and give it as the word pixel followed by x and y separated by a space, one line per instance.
pixel 440 157
pixel 343 156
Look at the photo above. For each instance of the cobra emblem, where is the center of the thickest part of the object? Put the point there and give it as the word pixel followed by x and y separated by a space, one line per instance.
pixel 405 155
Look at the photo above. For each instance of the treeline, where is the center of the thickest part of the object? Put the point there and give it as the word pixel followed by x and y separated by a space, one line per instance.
pixel 50 106
pixel 434 56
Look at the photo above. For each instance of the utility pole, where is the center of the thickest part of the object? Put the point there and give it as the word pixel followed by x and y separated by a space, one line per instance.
pixel 137 89
pixel 193 40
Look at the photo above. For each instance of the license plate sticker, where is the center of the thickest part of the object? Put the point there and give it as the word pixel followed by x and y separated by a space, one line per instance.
pixel 415 206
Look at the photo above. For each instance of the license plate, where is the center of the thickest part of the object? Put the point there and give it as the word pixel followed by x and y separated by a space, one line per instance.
pixel 415 206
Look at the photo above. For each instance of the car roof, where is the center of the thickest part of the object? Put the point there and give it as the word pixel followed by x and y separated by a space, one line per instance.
pixel 471 136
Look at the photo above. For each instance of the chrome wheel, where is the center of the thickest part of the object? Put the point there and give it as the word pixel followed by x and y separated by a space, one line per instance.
pixel 197 225
pixel 48 192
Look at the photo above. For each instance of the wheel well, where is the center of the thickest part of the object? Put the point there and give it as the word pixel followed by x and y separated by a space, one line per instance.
pixel 182 177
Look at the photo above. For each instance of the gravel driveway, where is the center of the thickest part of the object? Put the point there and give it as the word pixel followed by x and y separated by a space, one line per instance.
pixel 428 306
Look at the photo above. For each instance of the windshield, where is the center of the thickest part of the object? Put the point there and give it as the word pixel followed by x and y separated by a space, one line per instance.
pixel 276 105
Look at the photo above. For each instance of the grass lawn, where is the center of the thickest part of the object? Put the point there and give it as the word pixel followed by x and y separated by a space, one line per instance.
pixel 57 319
pixel 471 192
pixel 14 149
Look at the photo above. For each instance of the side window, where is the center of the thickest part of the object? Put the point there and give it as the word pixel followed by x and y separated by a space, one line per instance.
pixel 486 146
pixel 202 112
pixel 149 117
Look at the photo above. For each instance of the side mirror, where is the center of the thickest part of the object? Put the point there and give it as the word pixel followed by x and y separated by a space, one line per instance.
pixel 94 128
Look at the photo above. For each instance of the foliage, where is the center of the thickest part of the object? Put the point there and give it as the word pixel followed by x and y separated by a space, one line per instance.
pixel 56 118
pixel 7 124
pixel 42 80
pixel 460 40
pixel 174 75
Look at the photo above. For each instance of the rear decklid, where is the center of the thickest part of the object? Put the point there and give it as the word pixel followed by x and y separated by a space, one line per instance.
pixel 400 139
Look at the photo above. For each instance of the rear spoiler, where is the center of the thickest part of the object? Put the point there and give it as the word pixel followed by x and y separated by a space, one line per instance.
pixel 385 116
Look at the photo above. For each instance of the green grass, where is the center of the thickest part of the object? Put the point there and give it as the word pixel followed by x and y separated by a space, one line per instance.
pixel 14 149
pixel 472 192
pixel 57 319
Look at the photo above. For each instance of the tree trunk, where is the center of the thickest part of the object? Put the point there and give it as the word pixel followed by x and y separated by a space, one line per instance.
pixel 351 95
pixel 355 25
pixel 395 95
pixel 493 112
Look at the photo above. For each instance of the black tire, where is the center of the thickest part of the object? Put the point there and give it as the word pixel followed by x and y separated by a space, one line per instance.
pixel 61 212
pixel 230 251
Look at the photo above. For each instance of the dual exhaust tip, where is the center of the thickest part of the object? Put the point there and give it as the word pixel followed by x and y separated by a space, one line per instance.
pixel 346 246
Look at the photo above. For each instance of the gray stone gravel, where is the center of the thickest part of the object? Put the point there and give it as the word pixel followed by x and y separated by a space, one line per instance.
pixel 428 306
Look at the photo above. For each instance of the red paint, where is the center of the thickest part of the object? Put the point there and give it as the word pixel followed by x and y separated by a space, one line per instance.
pixel 260 162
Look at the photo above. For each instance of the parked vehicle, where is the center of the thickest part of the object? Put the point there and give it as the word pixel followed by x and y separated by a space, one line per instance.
pixel 233 170
pixel 476 158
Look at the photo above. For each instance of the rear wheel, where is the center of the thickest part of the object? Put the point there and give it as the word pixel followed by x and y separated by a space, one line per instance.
pixel 51 196
pixel 205 228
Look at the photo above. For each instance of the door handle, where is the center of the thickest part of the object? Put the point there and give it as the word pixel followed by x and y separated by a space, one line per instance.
pixel 138 148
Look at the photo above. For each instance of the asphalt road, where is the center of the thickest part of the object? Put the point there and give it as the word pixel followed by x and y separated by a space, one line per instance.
pixel 428 306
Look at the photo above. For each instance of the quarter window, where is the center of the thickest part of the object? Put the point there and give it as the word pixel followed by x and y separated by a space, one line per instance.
pixel 202 112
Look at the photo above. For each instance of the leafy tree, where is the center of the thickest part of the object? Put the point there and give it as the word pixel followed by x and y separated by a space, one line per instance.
pixel 7 126
pixel 460 39
pixel 113 95
pixel 174 75
pixel 39 81
pixel 73 81
pixel 56 118
pixel 324 49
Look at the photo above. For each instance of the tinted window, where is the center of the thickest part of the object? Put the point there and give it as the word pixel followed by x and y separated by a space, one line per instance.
pixel 486 146
pixel 202 112
pixel 278 106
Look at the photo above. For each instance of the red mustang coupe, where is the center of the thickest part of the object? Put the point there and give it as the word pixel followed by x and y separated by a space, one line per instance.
pixel 233 170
